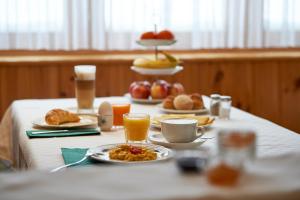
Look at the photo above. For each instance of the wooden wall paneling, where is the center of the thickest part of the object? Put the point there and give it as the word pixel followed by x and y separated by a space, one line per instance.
pixel 186 78
pixel 113 80
pixel 123 76
pixel 9 85
pixel 236 81
pixel 290 94
pixel 101 84
pixel 50 82
pixel 4 98
pixel 194 78
pixel 199 77
pixel 266 96
pixel 66 80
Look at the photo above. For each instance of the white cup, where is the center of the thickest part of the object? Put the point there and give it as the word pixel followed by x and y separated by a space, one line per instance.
pixel 180 130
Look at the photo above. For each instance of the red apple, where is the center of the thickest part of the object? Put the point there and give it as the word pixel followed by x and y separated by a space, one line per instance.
pixel 146 84
pixel 140 90
pixel 159 89
pixel 148 35
pixel 176 89
pixel 131 86
pixel 165 35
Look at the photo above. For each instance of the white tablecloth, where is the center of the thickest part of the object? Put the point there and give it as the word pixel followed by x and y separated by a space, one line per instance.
pixel 271 178
pixel 44 153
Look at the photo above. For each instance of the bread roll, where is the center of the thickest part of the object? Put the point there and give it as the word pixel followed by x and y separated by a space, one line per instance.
pixel 197 101
pixel 59 116
pixel 168 102
pixel 183 102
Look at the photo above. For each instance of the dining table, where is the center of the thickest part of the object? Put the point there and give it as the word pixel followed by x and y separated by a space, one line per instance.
pixel 277 153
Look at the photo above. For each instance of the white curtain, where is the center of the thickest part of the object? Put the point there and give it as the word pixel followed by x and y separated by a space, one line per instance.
pixel 117 24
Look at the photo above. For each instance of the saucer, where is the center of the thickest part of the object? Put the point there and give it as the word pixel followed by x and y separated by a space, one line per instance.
pixel 159 139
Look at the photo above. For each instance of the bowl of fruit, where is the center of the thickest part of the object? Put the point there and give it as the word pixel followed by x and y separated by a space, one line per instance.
pixel 144 92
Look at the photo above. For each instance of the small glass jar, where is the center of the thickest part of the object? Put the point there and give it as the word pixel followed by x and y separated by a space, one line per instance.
pixel 214 104
pixel 225 107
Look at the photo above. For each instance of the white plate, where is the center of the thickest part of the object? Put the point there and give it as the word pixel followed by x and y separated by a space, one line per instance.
pixel 199 111
pixel 166 71
pixel 159 139
pixel 101 153
pixel 85 120
pixel 144 101
pixel 151 43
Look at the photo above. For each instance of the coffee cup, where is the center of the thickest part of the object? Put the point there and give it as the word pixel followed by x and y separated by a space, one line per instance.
pixel 179 130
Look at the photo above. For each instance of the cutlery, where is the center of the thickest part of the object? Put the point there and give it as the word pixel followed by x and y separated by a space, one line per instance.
pixel 59 131
pixel 52 131
pixel 88 154
pixel 207 138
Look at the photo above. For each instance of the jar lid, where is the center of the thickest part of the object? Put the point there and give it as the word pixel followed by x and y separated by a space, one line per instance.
pixel 226 98
pixel 215 96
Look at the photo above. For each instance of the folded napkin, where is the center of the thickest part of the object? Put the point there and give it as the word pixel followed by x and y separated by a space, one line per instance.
pixel 75 132
pixel 72 155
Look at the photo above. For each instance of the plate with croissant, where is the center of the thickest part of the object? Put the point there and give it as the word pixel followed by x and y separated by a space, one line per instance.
pixel 183 104
pixel 59 118
pixel 203 121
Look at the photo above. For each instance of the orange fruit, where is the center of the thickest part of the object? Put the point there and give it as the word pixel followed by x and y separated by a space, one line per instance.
pixel 165 35
pixel 148 35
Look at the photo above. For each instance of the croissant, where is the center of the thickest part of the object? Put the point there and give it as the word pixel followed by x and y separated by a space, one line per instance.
pixel 59 116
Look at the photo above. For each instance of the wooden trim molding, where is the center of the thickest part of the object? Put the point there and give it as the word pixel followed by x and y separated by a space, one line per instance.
pixel 127 56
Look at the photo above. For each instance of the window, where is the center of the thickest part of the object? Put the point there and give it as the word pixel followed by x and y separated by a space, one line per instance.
pixel 178 15
pixel 117 24
pixel 281 13
pixel 29 16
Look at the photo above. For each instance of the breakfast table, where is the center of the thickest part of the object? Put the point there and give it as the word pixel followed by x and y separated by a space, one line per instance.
pixel 275 144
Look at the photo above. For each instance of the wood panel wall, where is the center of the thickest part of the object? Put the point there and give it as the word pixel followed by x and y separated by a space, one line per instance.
pixel 265 83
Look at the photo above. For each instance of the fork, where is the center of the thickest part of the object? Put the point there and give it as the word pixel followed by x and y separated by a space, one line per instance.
pixel 89 153
pixel 71 164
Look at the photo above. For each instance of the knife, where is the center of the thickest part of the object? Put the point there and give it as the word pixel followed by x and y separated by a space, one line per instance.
pixel 52 131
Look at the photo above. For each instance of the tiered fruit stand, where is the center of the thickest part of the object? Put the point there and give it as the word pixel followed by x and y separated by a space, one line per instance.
pixel 154 73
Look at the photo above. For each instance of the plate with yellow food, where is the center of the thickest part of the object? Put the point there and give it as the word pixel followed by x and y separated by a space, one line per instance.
pixel 131 153
pixel 203 121
pixel 183 104
pixel 60 118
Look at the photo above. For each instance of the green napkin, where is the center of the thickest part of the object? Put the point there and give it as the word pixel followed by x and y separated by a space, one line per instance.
pixel 72 155
pixel 75 132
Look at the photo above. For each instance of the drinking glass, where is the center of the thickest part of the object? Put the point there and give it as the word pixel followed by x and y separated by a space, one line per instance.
pixel 237 146
pixel 136 127
pixel 118 111
pixel 85 76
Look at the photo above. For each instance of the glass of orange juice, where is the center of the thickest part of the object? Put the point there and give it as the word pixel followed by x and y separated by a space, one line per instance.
pixel 118 111
pixel 136 127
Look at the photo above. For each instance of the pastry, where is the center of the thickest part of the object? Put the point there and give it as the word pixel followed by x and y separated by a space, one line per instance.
pixel 168 102
pixel 197 101
pixel 183 102
pixel 59 116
